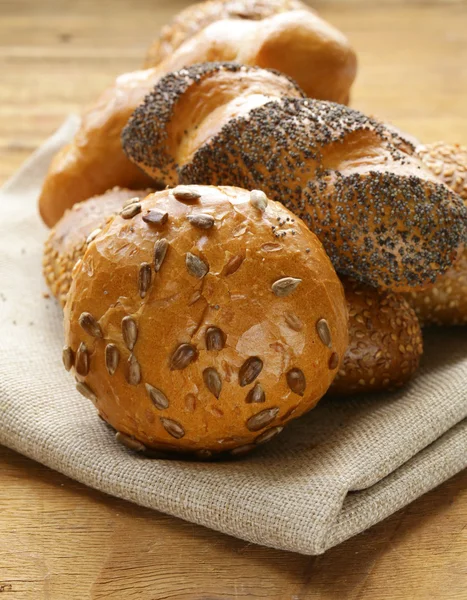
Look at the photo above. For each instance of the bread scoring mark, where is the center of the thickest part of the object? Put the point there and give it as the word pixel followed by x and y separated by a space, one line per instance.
pixel 144 138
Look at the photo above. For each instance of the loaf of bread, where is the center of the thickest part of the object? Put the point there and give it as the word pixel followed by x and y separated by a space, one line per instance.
pixel 445 303
pixel 68 240
pixel 198 16
pixel 282 35
pixel 286 35
pixel 382 216
pixel 385 342
pixel 202 319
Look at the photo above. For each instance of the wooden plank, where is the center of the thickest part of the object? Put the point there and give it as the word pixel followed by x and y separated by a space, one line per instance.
pixel 61 540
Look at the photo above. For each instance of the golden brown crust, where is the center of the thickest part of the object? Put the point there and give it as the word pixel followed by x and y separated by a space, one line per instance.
pixel 382 217
pixel 198 16
pixel 385 342
pixel 66 243
pixel 202 312
pixel 445 303
pixel 286 35
pixel 317 56
pixel 94 161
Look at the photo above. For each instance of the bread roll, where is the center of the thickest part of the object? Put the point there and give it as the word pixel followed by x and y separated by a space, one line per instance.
pixel 385 344
pixel 67 241
pixel 296 42
pixel 383 218
pixel 285 35
pixel 207 330
pixel 445 303
pixel 198 16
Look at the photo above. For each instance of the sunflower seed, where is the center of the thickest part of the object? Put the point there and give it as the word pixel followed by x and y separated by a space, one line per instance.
pixel 85 391
pixel 242 450
pixel 129 332
pixel 185 194
pixel 90 325
pixel 158 398
pixel 184 355
pixel 285 286
pixel 293 321
pixel 160 250
pixel 82 360
pixel 155 217
pixel 324 333
pixel 215 338
pixel 333 361
pixel 195 266
pixel 129 442
pixel 131 210
pixel 262 419
pixel 250 370
pixel 130 201
pixel 173 428
pixel 112 358
pixel 144 279
pixel 296 381
pixel 201 221
pixel 233 265
pixel 213 381
pixel 256 394
pixel 92 236
pixel 133 375
pixel 258 200
pixel 68 357
pixel 268 435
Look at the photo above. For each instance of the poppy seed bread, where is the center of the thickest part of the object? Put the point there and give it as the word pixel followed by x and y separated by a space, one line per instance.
pixel 383 217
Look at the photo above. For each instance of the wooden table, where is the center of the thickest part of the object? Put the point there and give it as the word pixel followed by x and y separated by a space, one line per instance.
pixel 62 541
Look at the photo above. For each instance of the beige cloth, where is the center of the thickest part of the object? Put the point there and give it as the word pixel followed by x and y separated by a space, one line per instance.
pixel 342 468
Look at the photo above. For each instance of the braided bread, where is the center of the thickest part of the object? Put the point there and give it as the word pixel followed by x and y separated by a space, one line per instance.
pixel 383 218
pixel 317 55
pixel 445 303
pixel 385 342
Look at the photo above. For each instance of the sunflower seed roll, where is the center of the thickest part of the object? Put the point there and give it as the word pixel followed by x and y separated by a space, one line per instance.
pixel 241 327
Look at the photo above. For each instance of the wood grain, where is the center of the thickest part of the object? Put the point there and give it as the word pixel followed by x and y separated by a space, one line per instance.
pixel 62 541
